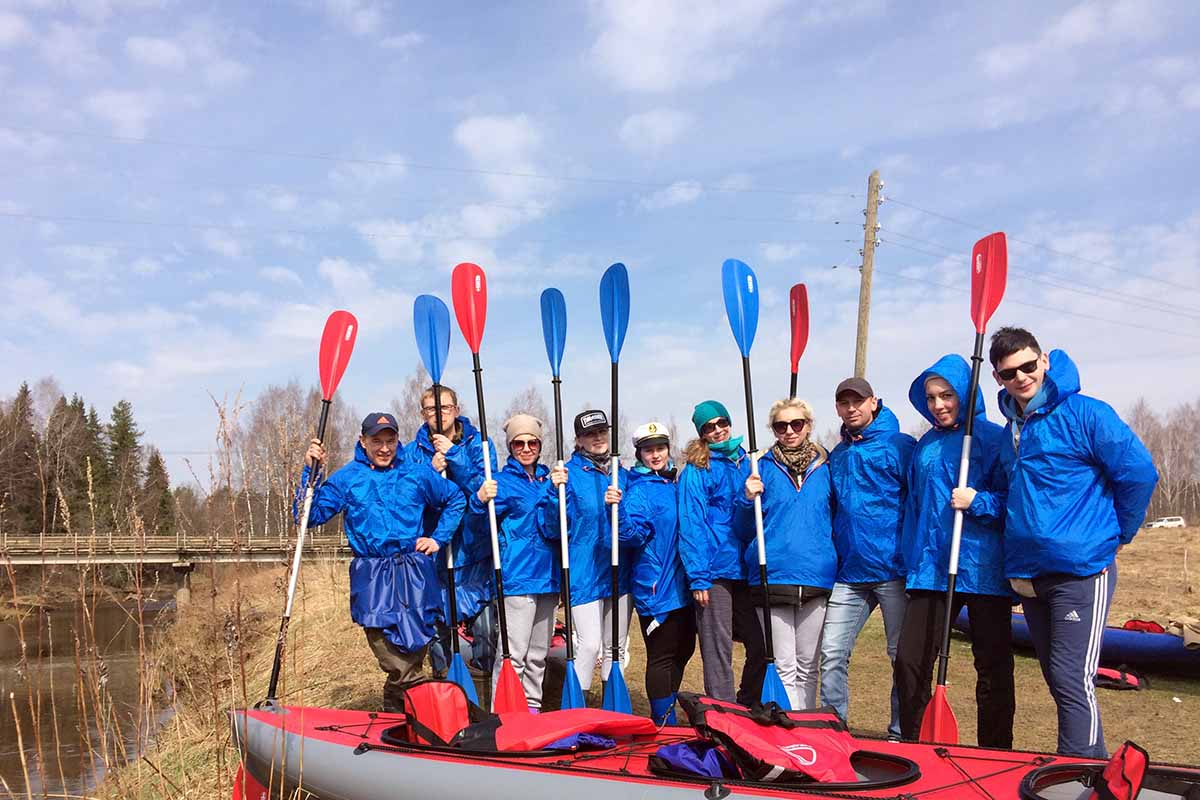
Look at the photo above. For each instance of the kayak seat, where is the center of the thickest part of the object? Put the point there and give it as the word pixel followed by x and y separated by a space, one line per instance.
pixel 435 711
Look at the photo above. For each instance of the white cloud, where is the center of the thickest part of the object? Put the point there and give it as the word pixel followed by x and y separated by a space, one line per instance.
pixel 225 72
pixel 30 145
pixel 737 182
pixel 392 240
pixel 222 243
pixel 94 260
pixel 503 143
pixel 101 10
pixel 678 193
pixel 660 46
pixel 152 51
pixel 369 172
pixel 36 297
pixel 72 50
pixel 403 42
pixel 775 252
pixel 14 30
pixel 650 131
pixel 280 275
pixel 234 301
pixel 146 266
pixel 360 17
pixel 127 112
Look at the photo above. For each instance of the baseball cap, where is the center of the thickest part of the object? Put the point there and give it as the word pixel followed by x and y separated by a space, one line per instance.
pixel 858 386
pixel 590 421
pixel 378 421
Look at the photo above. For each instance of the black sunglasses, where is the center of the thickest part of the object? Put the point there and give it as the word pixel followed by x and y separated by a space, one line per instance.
pixel 780 426
pixel 709 427
pixel 1029 367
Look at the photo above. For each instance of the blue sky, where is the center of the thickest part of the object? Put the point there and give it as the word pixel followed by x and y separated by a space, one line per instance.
pixel 189 189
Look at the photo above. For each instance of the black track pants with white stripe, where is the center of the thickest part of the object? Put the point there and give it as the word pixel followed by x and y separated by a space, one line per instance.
pixel 1066 622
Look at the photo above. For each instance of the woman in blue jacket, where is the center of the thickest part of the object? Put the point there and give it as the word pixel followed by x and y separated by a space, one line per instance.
pixel 589 493
pixel 649 519
pixel 529 562
pixel 939 394
pixel 797 504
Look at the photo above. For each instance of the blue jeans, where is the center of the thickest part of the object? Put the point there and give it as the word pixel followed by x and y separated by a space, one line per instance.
pixel 849 606
pixel 482 652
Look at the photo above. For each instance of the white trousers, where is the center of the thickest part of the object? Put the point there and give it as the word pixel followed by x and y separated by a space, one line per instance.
pixel 530 619
pixel 593 636
pixel 796 631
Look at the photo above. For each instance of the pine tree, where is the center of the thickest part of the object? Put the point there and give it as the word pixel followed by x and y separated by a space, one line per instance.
pixel 124 459
pixel 157 504
pixel 20 489
pixel 95 454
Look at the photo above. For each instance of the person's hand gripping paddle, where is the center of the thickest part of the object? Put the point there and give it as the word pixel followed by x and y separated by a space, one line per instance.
pixel 468 290
pixel 337 343
pixel 798 308
pixel 740 287
pixel 989 273
pixel 554 330
pixel 431 324
pixel 614 314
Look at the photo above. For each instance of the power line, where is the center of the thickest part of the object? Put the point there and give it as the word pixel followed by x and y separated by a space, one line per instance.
pixel 1046 248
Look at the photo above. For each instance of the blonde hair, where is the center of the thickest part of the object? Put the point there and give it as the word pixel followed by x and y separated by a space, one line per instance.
pixel 802 406
pixel 446 390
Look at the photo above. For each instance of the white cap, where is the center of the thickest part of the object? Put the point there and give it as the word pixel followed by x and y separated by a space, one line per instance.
pixel 651 433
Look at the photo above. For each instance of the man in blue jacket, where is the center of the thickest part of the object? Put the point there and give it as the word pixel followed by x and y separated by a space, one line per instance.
pixel 940 395
pixel 1079 481
pixel 393 581
pixel 869 468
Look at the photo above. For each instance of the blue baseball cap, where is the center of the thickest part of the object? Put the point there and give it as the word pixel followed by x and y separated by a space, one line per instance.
pixel 379 421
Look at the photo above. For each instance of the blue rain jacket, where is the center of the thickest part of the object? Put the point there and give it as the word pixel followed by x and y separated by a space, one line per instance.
pixel 707 545
pixel 649 514
pixel 928 517
pixel 473 570
pixel 1079 480
pixel 402 595
pixel 870 484
pixel 530 561
pixel 589 533
pixel 797 525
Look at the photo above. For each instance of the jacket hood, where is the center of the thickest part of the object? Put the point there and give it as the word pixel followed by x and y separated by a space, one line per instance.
pixel 884 424
pixel 360 455
pixel 1062 381
pixel 955 370
pixel 469 432
pixel 515 467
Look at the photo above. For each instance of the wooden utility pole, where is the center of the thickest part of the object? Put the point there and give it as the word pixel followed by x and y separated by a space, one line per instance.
pixel 870 228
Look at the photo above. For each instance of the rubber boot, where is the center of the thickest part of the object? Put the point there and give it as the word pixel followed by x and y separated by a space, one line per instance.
pixel 662 710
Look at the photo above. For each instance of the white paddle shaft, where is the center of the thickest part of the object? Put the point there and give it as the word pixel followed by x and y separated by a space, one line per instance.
pixel 487 476
pixel 612 510
pixel 964 466
pixel 758 523
pixel 564 543
pixel 308 498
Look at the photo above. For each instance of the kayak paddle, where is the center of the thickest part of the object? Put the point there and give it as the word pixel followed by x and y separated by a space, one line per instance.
pixel 468 290
pixel 989 272
pixel 614 314
pixel 740 288
pixel 337 343
pixel 798 304
pixel 554 331
pixel 431 324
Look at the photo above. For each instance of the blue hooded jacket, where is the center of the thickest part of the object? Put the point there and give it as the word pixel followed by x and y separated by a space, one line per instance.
pixel 649 515
pixel 870 484
pixel 589 535
pixel 530 562
pixel 1079 480
pixel 928 517
pixel 797 525
pixel 707 545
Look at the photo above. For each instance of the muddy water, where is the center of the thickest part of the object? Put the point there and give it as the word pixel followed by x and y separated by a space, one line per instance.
pixel 59 707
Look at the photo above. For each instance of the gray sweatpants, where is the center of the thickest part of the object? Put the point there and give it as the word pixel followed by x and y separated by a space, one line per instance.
pixel 530 619
pixel 796 634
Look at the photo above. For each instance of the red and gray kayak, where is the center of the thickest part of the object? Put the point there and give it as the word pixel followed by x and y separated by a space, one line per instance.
pixel 591 754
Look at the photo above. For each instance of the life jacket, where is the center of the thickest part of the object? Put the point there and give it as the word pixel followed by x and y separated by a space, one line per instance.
pixel 1121 678
pixel 772 745
pixel 1122 776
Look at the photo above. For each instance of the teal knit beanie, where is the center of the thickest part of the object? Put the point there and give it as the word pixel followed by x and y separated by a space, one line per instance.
pixel 709 409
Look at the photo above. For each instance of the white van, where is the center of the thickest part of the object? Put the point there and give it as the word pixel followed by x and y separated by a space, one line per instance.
pixel 1167 522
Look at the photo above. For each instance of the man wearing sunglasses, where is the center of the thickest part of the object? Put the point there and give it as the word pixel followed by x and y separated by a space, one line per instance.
pixel 869 468
pixel 1079 481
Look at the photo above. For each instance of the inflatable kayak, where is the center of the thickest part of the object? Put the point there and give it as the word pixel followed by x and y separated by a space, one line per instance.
pixel 1152 651
pixel 438 748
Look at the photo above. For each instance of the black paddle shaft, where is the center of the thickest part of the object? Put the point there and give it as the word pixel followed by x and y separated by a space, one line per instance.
pixel 792 389
pixel 768 639
pixel 556 382
pixel 952 578
pixel 450 590
pixel 613 438
pixel 313 476
pixel 483 434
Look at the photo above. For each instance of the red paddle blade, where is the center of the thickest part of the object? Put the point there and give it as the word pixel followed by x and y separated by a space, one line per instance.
pixel 510 695
pixel 468 290
pixel 337 342
pixel 798 301
pixel 989 273
pixel 938 724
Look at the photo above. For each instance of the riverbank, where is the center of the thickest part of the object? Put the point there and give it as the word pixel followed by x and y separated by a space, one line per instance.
pixel 219 654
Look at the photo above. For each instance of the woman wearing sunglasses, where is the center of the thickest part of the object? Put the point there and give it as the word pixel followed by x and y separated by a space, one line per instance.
pixel 716 467
pixel 649 518
pixel 530 566
pixel 797 503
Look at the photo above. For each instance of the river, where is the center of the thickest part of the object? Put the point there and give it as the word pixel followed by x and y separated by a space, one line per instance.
pixel 66 749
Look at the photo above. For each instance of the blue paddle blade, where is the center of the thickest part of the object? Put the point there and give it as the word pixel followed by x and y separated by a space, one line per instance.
pixel 459 674
pixel 740 288
pixel 614 308
pixel 572 693
pixel 554 329
pixel 773 691
pixel 431 324
pixel 616 693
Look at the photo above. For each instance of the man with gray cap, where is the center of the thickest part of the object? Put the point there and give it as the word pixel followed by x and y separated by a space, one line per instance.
pixel 869 468
pixel 529 561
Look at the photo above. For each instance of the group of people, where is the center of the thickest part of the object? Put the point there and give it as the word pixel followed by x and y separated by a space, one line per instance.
pixel 1051 498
